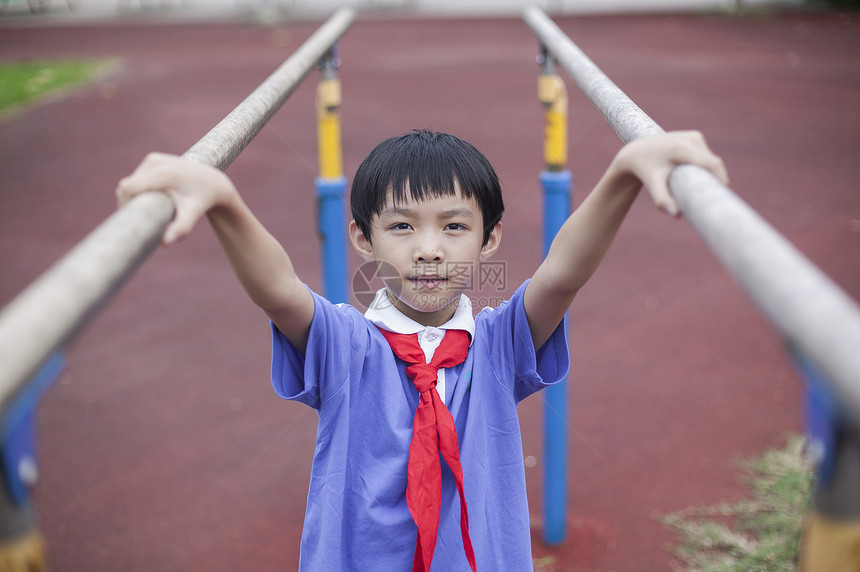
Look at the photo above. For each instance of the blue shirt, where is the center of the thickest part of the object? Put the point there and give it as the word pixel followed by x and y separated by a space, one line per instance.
pixel 357 518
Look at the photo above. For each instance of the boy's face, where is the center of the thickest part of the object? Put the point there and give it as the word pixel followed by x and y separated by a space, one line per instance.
pixel 434 245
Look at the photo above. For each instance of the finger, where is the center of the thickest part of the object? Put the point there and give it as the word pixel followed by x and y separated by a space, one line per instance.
pixel 668 205
pixel 658 187
pixel 122 192
pixel 710 160
pixel 699 153
pixel 178 229
pixel 713 164
pixel 719 170
pixel 130 187
pixel 187 213
pixel 152 160
pixel 147 176
pixel 695 137
pixel 152 179
pixel 174 233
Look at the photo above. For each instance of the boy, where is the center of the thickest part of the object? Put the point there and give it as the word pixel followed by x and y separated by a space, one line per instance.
pixel 417 375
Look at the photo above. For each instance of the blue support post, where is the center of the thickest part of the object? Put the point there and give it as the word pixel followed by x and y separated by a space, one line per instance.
pixel 21 544
pixel 821 416
pixel 332 229
pixel 18 433
pixel 557 192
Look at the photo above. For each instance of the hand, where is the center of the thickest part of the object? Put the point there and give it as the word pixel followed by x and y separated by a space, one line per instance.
pixel 193 187
pixel 652 159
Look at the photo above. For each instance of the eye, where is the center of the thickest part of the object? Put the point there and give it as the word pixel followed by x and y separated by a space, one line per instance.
pixel 455 226
pixel 400 226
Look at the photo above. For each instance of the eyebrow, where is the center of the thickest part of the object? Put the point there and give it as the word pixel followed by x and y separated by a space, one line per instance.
pixel 395 211
pixel 458 213
pixel 450 213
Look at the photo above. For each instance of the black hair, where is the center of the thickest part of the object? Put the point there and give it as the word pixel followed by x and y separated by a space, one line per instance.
pixel 428 164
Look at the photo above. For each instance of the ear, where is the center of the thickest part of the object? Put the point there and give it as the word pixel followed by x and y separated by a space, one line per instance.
pixel 494 240
pixel 359 241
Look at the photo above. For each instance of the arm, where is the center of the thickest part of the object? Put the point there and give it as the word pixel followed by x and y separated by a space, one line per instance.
pixel 582 241
pixel 258 259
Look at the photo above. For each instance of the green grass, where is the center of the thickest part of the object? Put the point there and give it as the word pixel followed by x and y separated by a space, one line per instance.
pixel 23 82
pixel 762 534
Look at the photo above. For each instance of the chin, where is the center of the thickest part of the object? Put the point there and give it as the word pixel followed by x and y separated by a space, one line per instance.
pixel 426 300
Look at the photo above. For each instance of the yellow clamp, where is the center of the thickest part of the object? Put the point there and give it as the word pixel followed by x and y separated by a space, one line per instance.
pixel 830 545
pixel 552 94
pixel 24 554
pixel 328 128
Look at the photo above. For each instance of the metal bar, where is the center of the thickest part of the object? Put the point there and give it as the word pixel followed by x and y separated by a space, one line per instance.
pixel 806 307
pixel 624 116
pixel 227 139
pixel 48 314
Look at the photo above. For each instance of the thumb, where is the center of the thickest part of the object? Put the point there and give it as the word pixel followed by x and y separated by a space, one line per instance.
pixel 182 224
pixel 658 188
pixel 172 234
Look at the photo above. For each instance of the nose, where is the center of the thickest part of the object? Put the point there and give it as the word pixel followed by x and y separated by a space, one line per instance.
pixel 428 248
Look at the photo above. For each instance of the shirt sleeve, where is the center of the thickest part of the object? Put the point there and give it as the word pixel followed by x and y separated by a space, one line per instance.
pixel 511 350
pixel 335 333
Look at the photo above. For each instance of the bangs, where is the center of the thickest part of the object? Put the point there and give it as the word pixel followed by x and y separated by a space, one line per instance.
pixel 425 175
pixel 424 171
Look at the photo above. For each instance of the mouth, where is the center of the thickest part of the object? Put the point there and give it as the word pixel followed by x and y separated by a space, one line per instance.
pixel 428 281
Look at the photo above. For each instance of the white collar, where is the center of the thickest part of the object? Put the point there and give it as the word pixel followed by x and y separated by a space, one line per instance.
pixel 383 314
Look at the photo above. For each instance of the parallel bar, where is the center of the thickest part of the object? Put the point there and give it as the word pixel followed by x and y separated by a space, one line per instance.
pixel 625 117
pixel 812 312
pixel 227 139
pixel 48 314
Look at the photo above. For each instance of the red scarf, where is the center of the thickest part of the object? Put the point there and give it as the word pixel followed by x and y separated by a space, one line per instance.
pixel 432 432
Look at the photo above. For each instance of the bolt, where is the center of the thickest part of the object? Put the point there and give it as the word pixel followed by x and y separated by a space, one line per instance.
pixel 28 472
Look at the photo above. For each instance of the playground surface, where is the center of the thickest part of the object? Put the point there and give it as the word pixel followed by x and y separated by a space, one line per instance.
pixel 163 446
